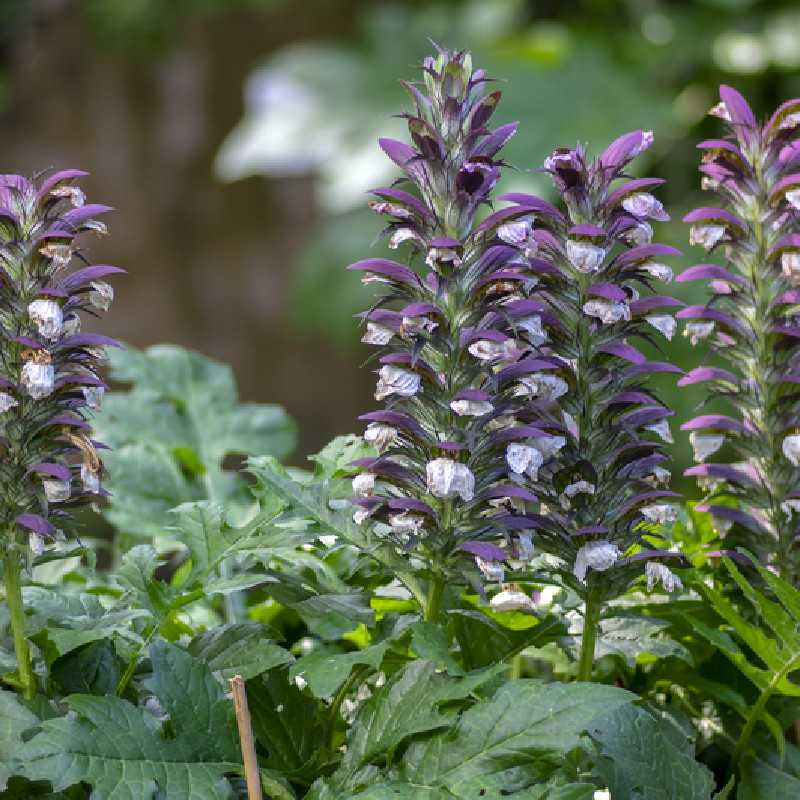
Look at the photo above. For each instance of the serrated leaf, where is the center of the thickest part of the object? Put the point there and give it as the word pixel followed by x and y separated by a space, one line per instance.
pixel 408 704
pixel 326 671
pixel 239 649
pixel 526 725
pixel 331 615
pixel 287 723
pixel 630 637
pixel 760 780
pixel 638 758
pixel 15 719
pixel 430 641
pixel 483 641
pixel 91 669
pixel 120 751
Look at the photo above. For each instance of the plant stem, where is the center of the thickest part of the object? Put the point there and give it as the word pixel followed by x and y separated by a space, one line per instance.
pixel 591 620
pixel 11 572
pixel 433 604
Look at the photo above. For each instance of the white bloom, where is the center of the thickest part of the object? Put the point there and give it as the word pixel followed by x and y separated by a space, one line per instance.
pixel 401 235
pixel 38 379
pixel 300 682
pixel 442 255
pixel 661 513
pixel 532 326
pixel 790 121
pixel 525 547
pixel 790 507
pixel 73 193
pixel 639 234
pixel 56 491
pixel 361 515
pixel 36 543
pixel 519 234
pixel 395 380
pixel 59 254
pixel 93 395
pixel 471 408
pixel 697 331
pixel 501 422
pixel 524 459
pixel 643 204
pixel 509 600
pixel 363 484
pixel 328 540
pixel 48 318
pixel 660 476
pixel 793 198
pixel 720 110
pixel 448 478
pixel 486 350
pixel 600 555
pixel 411 326
pixel 663 323
pixel 7 402
pixel 658 573
pixel 548 445
pixel 90 479
pixel 72 325
pixel 406 524
pixel 662 430
pixel 601 794
pixel 571 424
pixel 573 489
pixel 607 311
pixel 705 444
pixel 706 235
pixel 492 570
pixel 791 449
pixel 102 296
pixel 790 265
pixel 583 256
pixel 377 334
pixel 659 271
pixel 380 435
pixel 542 386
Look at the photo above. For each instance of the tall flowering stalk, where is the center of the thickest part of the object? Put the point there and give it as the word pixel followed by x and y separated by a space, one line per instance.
pixel 49 380
pixel 752 325
pixel 604 485
pixel 447 325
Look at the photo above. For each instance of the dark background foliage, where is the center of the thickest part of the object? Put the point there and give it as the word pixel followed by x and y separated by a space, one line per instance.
pixel 235 139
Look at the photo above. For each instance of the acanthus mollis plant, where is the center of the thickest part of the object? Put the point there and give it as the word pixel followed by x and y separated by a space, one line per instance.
pixel 752 326
pixel 605 487
pixel 448 324
pixel 49 380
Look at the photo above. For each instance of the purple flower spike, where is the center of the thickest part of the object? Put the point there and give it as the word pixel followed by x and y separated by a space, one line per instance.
pixel 52 383
pixel 448 329
pixel 755 176
pixel 598 263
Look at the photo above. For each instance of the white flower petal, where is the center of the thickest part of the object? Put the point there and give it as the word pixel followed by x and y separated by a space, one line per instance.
pixel 707 235
pixel 791 449
pixel 658 573
pixel 379 435
pixel 660 513
pixel 599 555
pixel 607 311
pixel 585 257
pixel 48 318
pixel 38 379
pixel 7 402
pixel 395 380
pixel 363 484
pixel 471 408
pixel 377 334
pixel 448 478
pixel 705 444
pixel 508 600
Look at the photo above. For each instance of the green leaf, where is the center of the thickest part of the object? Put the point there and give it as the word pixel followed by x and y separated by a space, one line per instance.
pixel 639 758
pixel 484 641
pixel 429 641
pixel 325 671
pixel 331 615
pixel 91 669
pixel 630 636
pixel 408 704
pixel 287 723
pixel 15 719
pixel 119 749
pixel 525 727
pixel 239 649
pixel 761 781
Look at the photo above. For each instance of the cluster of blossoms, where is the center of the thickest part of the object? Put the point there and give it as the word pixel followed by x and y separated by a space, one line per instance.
pixel 49 378
pixel 752 327
pixel 450 328
pixel 595 457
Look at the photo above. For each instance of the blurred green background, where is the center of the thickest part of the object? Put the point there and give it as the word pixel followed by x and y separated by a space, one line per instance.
pixel 236 140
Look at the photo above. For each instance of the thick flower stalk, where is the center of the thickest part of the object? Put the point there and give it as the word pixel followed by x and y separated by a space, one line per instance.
pixel 752 327
pixel 447 324
pixel 604 485
pixel 49 380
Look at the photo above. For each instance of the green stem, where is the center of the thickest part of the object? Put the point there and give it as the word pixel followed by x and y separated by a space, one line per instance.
pixel 433 604
pixel 515 670
pixel 591 621
pixel 17 613
pixel 755 714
